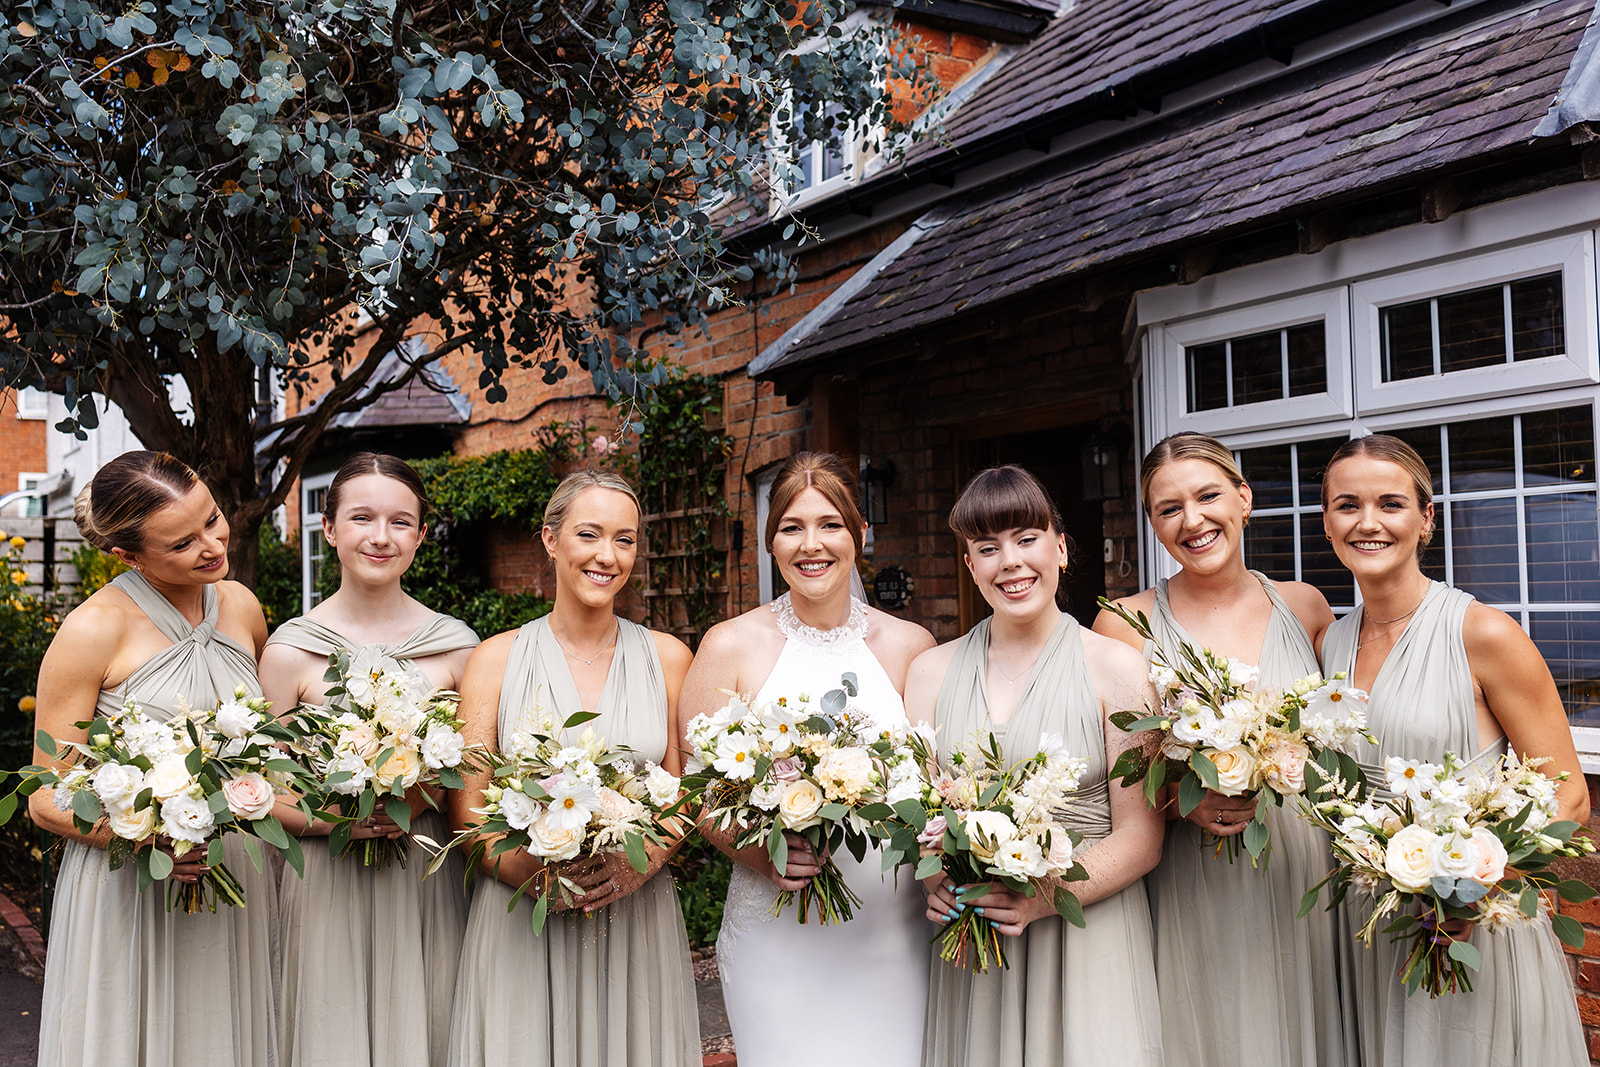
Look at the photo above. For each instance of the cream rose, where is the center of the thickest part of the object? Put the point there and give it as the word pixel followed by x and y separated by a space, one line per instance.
pixel 403 765
pixel 1409 859
pixel 550 842
pixel 361 739
pixel 168 778
pixel 133 825
pixel 1491 866
pixel 1287 771
pixel 249 796
pixel 1236 771
pixel 798 807
pixel 1059 857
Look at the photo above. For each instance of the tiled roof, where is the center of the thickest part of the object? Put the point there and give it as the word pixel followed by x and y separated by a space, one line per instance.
pixel 1472 91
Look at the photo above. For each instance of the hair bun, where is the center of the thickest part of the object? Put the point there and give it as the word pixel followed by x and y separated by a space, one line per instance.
pixel 83 515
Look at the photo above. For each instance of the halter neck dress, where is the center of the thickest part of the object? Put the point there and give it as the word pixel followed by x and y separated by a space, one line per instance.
pixel 1071 997
pixel 1243 983
pixel 1521 1011
pixel 877 962
pixel 612 989
pixel 126 980
pixel 369 955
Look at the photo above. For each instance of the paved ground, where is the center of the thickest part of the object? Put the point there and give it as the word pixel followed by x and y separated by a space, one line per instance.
pixel 20 991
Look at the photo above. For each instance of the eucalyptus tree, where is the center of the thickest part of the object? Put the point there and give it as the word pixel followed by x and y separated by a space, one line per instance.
pixel 212 190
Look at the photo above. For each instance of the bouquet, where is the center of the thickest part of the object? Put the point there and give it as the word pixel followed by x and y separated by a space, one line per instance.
pixel 1220 732
pixel 980 820
pixel 382 731
pixel 1452 842
pixel 824 769
pixel 559 800
pixel 166 788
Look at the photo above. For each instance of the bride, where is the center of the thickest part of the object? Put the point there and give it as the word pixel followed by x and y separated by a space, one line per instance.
pixel 803 642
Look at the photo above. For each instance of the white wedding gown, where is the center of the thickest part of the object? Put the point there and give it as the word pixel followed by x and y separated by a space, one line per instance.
pixel 851 994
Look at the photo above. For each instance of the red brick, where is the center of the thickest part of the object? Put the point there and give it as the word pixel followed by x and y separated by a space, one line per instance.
pixel 1589 1010
pixel 966 46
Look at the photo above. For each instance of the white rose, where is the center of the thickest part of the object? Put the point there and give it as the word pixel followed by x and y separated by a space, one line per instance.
pixel 551 842
pixel 1242 674
pixel 356 767
pixel 133 825
pixel 906 789
pixel 168 778
pixel 187 818
pixel 117 784
pixel 662 784
pixel 443 747
pixel 1409 859
pixel 518 809
pixel 987 829
pixel 1236 771
pixel 236 720
pixel 766 795
pixel 1454 855
pixel 1020 857
pixel 798 806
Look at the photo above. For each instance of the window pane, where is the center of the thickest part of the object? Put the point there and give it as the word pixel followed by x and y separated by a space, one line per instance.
pixel 1563 536
pixel 1407 341
pixel 1208 377
pixel 1536 317
pixel 1472 329
pixel 1269 546
pixel 1268 472
pixel 1484 543
pixel 1320 567
pixel 1314 456
pixel 1308 359
pixel 1558 446
pixel 1258 368
pixel 1481 455
pixel 832 162
pixel 1426 441
pixel 1569 641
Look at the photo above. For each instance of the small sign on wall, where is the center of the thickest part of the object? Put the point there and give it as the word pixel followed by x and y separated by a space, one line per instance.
pixel 892 588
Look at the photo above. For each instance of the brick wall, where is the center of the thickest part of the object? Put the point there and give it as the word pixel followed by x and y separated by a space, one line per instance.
pixel 1586 961
pixel 22 443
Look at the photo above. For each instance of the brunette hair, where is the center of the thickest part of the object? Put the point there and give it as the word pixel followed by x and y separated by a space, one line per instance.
pixel 1187 444
pixel 364 463
pixel 828 475
pixel 555 510
pixel 1392 449
pixel 112 509
pixel 1000 499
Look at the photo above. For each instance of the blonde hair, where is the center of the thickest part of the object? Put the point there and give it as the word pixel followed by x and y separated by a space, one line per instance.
pixel 112 509
pixel 828 475
pixel 1183 445
pixel 560 502
pixel 1393 450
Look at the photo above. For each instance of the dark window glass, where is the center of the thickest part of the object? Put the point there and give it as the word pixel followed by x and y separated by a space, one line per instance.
pixel 1472 329
pixel 1563 536
pixel 1484 535
pixel 1314 456
pixel 1569 641
pixel 1269 474
pixel 1208 377
pixel 1407 338
pixel 1558 446
pixel 1258 368
pixel 1320 567
pixel 1482 455
pixel 1426 441
pixel 1269 546
pixel 1536 318
pixel 1308 359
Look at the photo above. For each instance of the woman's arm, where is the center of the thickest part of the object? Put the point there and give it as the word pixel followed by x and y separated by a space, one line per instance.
pixel 70 676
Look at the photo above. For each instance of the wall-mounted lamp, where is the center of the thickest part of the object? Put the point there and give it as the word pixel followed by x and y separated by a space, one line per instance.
pixel 1102 462
pixel 875 483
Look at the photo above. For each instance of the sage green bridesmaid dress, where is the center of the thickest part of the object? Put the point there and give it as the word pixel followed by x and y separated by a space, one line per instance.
pixel 128 982
pixel 611 989
pixel 1071 997
pixel 369 954
pixel 1243 984
pixel 1521 1011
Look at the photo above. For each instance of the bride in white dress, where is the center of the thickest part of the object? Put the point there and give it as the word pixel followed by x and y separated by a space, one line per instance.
pixel 875 966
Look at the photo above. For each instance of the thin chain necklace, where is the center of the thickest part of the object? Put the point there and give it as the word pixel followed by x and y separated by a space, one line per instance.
pixel 1012 678
pixel 1386 623
pixel 590 661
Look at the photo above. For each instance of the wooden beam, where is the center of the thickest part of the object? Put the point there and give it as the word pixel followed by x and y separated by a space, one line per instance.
pixel 1196 263
pixel 1440 199
pixel 1317 232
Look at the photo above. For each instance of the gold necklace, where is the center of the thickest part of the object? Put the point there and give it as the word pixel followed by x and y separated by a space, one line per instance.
pixel 590 661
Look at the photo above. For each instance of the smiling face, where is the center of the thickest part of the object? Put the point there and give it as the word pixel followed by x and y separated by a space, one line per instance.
pixel 1374 516
pixel 184 543
pixel 813 546
pixel 377 530
pixel 1198 514
pixel 1017 571
pixel 594 550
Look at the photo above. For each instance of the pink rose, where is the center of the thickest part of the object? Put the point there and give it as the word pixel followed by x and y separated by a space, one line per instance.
pixel 933 833
pixel 786 770
pixel 249 796
pixel 1491 866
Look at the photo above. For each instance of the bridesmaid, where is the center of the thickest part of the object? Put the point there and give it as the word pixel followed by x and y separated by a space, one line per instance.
pixel 369 954
pixel 1445 673
pixel 1071 997
pixel 1242 982
pixel 607 984
pixel 128 981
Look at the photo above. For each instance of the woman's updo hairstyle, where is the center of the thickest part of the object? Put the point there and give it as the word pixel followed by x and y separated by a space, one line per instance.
pixel 1187 444
pixel 364 463
pixel 1383 446
pixel 112 509
pixel 828 475
pixel 560 502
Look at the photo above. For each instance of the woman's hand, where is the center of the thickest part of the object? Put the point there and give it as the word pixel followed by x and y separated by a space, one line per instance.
pixel 190 867
pixel 378 824
pixel 1222 816
pixel 608 877
pixel 1009 912
pixel 944 905
pixel 803 863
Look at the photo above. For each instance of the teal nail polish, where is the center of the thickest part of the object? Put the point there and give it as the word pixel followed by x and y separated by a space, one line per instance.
pixel 952 916
pixel 977 911
pixel 960 906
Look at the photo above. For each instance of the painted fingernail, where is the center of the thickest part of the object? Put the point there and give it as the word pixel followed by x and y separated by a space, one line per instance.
pixel 952 916
pixel 960 906
pixel 977 911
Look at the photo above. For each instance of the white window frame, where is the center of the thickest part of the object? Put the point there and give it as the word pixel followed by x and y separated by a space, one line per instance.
pixel 1572 255
pixel 1172 340
pixel 32 403
pixel 31 507
pixel 764 483
pixel 853 146
pixel 310 527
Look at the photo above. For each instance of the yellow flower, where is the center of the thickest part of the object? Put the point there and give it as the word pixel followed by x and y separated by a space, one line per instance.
pixel 19 577
pixel 27 704
pixel 18 542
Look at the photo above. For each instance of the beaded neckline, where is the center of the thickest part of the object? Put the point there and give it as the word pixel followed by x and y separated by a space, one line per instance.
pixel 789 624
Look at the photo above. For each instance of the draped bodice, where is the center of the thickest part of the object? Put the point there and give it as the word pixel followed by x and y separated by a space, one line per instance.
pixel 1058 698
pixel 199 669
pixel 1286 652
pixel 1421 705
pixel 441 633
pixel 632 709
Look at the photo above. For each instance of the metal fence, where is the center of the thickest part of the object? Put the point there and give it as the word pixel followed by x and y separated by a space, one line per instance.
pixel 47 556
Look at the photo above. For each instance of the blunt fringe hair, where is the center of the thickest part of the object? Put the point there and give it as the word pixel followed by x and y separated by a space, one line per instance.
pixel 112 509
pixel 1001 499
pixel 828 475
pixel 1386 447
pixel 560 502
pixel 364 463
pixel 1187 444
